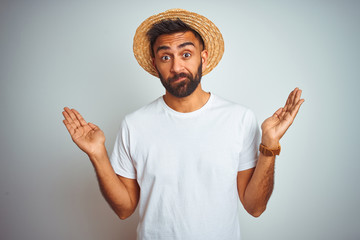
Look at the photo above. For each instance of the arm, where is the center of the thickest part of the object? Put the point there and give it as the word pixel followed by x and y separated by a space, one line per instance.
pixel 121 193
pixel 256 185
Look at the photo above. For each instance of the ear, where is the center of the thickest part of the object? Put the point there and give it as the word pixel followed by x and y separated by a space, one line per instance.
pixel 204 57
pixel 154 65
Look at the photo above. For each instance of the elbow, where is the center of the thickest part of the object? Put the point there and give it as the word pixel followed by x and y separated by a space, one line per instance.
pixel 119 212
pixel 256 212
pixel 123 216
pixel 123 212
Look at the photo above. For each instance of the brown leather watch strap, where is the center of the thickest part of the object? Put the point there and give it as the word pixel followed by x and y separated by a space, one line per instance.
pixel 269 152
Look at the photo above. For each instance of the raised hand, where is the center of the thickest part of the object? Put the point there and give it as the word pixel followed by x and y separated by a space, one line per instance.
pixel 275 126
pixel 87 136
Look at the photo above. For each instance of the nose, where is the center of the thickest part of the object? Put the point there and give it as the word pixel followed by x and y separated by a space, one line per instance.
pixel 177 65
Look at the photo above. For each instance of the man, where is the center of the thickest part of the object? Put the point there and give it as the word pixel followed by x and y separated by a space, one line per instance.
pixel 190 154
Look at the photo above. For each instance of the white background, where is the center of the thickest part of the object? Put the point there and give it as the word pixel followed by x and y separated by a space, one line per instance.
pixel 79 54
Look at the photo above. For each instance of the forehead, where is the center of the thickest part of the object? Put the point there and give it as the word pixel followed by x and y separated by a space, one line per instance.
pixel 176 39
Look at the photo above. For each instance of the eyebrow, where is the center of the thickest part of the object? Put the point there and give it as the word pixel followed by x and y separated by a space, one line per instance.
pixel 186 44
pixel 180 46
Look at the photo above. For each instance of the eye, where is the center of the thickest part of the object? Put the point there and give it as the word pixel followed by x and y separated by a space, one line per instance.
pixel 165 58
pixel 186 55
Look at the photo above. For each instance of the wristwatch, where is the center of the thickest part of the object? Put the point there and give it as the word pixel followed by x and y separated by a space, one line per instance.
pixel 269 152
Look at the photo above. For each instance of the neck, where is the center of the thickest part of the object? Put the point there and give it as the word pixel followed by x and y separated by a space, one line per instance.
pixel 191 103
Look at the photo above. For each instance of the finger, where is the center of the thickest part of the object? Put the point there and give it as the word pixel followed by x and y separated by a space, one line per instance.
pixel 66 115
pixel 296 100
pixel 298 95
pixel 296 108
pixel 293 97
pixel 69 120
pixel 282 114
pixel 70 113
pixel 278 112
pixel 71 127
pixel 288 101
pixel 79 117
pixel 72 116
pixel 68 126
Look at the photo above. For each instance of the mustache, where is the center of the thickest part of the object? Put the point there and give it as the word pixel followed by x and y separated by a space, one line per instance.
pixel 177 76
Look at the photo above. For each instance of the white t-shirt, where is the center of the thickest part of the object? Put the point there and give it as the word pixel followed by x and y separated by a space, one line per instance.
pixel 186 165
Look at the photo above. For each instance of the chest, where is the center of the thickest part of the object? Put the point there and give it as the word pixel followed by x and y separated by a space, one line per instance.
pixel 177 149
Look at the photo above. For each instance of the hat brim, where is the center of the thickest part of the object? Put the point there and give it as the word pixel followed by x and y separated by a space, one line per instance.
pixel 210 34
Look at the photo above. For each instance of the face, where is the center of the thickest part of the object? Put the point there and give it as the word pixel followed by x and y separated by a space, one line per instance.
pixel 180 61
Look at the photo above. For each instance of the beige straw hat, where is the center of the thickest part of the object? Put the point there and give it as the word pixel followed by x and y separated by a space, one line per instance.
pixel 211 35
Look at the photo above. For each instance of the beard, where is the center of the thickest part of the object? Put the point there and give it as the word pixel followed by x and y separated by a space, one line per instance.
pixel 185 87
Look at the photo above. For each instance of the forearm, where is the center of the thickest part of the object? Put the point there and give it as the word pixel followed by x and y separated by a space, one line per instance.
pixel 260 187
pixel 261 184
pixel 121 195
pixel 112 188
pixel 255 193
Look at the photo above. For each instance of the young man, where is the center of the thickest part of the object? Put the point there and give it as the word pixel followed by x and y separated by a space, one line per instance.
pixel 190 154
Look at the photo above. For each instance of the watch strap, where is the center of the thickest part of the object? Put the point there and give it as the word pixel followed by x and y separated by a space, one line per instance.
pixel 269 152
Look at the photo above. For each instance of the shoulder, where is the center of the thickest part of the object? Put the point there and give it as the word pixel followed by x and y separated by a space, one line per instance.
pixel 145 113
pixel 231 108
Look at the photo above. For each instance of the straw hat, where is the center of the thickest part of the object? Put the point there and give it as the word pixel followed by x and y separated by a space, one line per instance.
pixel 211 35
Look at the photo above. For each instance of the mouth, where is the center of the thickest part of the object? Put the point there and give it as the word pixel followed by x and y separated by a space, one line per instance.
pixel 180 79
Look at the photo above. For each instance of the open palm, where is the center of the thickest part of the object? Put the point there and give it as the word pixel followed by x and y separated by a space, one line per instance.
pixel 87 136
pixel 274 127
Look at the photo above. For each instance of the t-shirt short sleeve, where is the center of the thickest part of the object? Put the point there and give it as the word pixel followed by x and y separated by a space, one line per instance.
pixel 251 140
pixel 120 159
